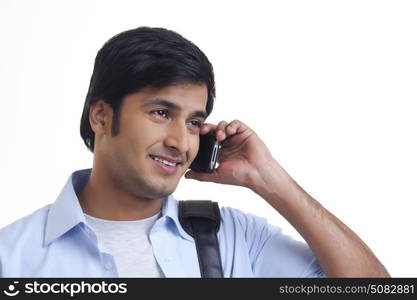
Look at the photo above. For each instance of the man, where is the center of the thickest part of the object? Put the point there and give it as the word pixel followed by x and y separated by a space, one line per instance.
pixel 150 93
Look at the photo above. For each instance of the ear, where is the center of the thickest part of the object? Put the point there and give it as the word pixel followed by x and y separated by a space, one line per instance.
pixel 100 117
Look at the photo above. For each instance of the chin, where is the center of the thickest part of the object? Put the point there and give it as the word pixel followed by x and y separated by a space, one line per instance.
pixel 166 188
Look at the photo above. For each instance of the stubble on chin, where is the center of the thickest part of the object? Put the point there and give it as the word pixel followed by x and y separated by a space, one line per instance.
pixel 144 188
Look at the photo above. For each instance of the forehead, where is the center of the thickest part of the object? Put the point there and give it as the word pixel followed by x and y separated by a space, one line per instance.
pixel 187 97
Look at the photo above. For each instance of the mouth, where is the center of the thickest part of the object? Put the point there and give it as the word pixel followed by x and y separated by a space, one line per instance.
pixel 165 165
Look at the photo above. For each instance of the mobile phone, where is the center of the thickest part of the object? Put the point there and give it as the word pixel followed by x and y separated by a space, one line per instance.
pixel 208 154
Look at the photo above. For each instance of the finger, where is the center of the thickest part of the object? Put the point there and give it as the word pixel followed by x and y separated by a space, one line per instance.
pixel 207 127
pixel 232 127
pixel 201 176
pixel 237 126
pixel 221 131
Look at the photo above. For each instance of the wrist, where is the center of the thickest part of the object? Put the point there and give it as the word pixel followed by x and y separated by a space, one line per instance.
pixel 278 189
pixel 269 178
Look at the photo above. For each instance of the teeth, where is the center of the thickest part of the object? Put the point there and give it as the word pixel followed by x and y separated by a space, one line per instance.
pixel 164 161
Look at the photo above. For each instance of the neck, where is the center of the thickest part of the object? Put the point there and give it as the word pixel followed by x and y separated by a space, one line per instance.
pixel 100 198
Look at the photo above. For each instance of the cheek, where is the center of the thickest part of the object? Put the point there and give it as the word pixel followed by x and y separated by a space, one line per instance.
pixel 139 130
pixel 194 146
pixel 129 148
pixel 140 140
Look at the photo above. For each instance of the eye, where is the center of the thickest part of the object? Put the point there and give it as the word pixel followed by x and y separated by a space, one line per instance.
pixel 196 123
pixel 160 112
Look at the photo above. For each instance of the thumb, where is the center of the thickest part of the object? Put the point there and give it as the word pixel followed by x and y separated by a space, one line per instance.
pixel 201 176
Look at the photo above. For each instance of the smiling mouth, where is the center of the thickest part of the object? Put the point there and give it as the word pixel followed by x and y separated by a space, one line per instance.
pixel 165 162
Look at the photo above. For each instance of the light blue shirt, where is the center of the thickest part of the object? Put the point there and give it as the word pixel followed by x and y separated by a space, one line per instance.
pixel 55 241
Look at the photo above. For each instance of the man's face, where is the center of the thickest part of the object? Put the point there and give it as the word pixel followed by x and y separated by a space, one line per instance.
pixel 154 124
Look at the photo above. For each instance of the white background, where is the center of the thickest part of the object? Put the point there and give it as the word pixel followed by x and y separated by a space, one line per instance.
pixel 330 86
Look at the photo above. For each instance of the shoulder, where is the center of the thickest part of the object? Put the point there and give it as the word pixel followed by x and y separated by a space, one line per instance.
pixel 272 253
pixel 24 231
pixel 244 221
pixel 246 228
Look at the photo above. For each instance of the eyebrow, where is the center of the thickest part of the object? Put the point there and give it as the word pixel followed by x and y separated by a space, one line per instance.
pixel 168 104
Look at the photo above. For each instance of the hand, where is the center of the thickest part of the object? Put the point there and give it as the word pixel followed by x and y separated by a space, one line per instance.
pixel 242 156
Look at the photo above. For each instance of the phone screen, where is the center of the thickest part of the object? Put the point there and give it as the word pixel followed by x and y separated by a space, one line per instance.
pixel 207 155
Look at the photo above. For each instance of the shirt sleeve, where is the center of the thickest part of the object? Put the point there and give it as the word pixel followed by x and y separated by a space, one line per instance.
pixel 274 254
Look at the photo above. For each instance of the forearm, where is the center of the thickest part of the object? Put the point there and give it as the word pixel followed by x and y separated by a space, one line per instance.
pixel 340 252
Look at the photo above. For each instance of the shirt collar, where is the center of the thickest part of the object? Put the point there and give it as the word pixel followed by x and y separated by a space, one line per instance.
pixel 66 212
pixel 170 210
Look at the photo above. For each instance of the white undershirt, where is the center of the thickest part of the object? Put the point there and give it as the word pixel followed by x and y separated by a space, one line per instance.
pixel 128 242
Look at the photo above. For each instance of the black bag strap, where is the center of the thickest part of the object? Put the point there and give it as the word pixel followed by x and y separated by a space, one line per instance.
pixel 201 220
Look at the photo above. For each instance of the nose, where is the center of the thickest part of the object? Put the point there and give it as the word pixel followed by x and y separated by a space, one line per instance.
pixel 177 138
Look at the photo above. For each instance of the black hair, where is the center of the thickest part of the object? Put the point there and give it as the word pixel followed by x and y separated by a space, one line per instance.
pixel 141 58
